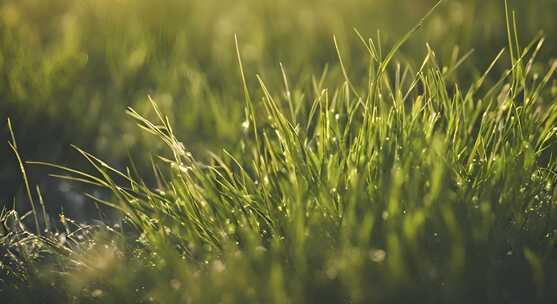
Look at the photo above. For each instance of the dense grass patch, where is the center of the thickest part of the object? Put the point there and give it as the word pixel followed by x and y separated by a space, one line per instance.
pixel 69 69
pixel 411 184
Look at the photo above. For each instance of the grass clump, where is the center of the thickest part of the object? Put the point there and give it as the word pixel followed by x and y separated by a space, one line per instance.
pixel 407 186
pixel 69 69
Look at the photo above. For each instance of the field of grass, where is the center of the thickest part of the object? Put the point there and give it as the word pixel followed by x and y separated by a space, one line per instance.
pixel 69 69
pixel 278 151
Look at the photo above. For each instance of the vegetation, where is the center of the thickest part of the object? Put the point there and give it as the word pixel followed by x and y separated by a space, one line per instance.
pixel 396 175
pixel 69 69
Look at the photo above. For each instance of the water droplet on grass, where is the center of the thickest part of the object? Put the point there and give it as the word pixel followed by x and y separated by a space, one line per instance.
pixel 245 125
pixel 377 255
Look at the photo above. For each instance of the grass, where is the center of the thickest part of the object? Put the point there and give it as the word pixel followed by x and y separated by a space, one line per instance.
pixel 416 183
pixel 60 59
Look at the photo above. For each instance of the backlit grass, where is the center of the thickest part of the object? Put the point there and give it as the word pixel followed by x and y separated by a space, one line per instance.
pixel 411 184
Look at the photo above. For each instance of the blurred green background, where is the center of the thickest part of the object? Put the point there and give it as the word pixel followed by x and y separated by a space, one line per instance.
pixel 69 69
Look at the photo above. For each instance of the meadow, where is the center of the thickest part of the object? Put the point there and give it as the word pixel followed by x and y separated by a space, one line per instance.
pixel 278 151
